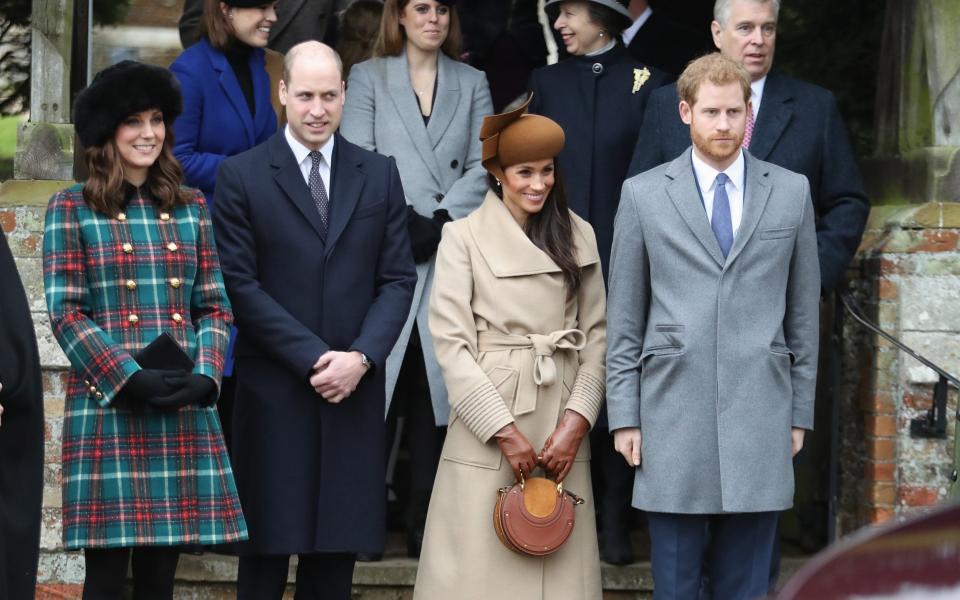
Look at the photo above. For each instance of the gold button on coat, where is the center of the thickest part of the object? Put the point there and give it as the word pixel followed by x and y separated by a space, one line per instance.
pixel 177 318
pixel 93 389
pixel 128 248
pixel 175 282
pixel 133 319
pixel 164 216
pixel 121 216
pixel 99 396
pixel 172 247
pixel 131 284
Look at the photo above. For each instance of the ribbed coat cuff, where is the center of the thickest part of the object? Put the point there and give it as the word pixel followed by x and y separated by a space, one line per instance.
pixel 587 394
pixel 483 412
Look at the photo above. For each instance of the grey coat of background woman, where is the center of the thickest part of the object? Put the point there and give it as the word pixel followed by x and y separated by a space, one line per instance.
pixel 439 166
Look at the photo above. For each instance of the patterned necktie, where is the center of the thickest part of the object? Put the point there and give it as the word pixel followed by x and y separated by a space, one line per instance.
pixel 720 222
pixel 318 190
pixel 748 132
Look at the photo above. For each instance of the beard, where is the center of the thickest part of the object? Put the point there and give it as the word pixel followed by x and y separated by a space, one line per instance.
pixel 715 150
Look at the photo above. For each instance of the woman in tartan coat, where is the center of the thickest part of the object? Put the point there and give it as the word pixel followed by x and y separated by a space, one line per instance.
pixel 127 256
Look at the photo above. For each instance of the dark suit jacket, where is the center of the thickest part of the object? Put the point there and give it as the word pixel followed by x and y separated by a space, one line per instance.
pixel 297 21
pixel 21 437
pixel 311 474
pixel 667 45
pixel 216 120
pixel 601 114
pixel 799 128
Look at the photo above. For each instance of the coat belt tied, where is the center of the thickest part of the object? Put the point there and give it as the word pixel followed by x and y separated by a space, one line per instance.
pixel 544 347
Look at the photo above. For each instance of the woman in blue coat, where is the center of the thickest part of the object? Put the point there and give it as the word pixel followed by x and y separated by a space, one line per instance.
pixel 598 95
pixel 226 89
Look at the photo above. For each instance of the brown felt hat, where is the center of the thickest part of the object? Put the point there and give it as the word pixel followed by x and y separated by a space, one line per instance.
pixel 515 137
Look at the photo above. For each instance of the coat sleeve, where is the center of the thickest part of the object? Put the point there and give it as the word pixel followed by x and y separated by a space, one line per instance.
pixel 396 278
pixel 359 112
pixel 209 306
pixel 258 315
pixel 648 152
pixel 466 193
pixel 589 387
pixel 199 167
pixel 473 397
pixel 91 351
pixel 627 306
pixel 801 326
pixel 841 200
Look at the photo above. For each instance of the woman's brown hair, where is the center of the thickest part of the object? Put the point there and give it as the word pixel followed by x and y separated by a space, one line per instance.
pixel 392 38
pixel 104 188
pixel 215 26
pixel 551 230
pixel 359 25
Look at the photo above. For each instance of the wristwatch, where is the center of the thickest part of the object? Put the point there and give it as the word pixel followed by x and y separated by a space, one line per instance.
pixel 365 360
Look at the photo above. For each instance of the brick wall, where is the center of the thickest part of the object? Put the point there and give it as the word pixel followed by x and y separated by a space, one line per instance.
pixel 909 283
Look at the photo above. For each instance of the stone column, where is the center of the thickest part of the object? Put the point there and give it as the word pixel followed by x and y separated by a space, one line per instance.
pixel 908 270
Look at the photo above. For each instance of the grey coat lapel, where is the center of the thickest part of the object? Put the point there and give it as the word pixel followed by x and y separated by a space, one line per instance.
pixel 683 191
pixel 403 97
pixel 448 98
pixel 776 111
pixel 755 196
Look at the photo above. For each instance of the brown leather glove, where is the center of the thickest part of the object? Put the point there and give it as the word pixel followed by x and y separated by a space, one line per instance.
pixel 561 447
pixel 516 448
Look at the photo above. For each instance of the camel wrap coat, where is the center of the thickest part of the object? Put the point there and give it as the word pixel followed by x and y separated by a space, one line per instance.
pixel 513 347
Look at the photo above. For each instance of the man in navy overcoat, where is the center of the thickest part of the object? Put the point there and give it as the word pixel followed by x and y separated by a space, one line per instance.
pixel 796 125
pixel 312 234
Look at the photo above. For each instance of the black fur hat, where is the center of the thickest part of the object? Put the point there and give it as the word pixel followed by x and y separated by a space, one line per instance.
pixel 119 91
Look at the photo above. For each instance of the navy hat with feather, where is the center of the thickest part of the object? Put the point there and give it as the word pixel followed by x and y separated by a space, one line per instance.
pixel 119 91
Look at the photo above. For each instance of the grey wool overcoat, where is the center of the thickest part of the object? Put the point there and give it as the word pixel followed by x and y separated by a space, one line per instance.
pixel 439 166
pixel 714 359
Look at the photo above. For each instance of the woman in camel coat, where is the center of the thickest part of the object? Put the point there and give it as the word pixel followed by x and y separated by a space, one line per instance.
pixel 520 335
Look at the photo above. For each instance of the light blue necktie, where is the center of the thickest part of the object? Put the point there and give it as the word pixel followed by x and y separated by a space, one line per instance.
pixel 720 221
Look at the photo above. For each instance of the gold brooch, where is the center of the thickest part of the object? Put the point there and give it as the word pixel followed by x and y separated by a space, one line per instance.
pixel 640 77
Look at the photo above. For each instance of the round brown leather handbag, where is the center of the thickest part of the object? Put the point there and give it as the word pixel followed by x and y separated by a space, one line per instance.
pixel 534 516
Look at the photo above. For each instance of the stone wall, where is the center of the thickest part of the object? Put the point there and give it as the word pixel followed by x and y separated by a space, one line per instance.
pixel 907 278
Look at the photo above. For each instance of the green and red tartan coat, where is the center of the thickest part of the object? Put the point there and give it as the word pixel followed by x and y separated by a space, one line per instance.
pixel 113 283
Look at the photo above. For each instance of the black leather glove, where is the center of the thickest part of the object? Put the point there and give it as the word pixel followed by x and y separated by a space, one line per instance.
pixel 194 389
pixel 146 384
pixel 425 232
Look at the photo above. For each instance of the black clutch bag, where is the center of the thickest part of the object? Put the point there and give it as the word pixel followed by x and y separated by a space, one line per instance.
pixel 164 353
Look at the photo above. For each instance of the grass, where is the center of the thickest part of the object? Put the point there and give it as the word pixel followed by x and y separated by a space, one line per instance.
pixel 8 144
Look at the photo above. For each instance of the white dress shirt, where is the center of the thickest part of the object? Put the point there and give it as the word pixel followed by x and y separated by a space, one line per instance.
pixel 707 179
pixel 302 154
pixel 756 95
pixel 630 32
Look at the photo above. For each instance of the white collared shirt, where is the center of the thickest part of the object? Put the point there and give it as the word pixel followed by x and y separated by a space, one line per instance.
pixel 707 179
pixel 756 95
pixel 302 154
pixel 630 32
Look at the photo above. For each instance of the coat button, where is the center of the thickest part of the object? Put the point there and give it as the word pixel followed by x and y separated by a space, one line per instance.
pixel 133 319
pixel 93 389
pixel 121 216
pixel 177 318
pixel 172 247
pixel 86 382
pixel 454 164
pixel 128 248
pixel 597 68
pixel 99 396
pixel 175 282
pixel 164 216
pixel 438 197
pixel 131 284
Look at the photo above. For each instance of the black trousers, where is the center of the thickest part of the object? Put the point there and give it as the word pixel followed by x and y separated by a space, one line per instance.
pixel 319 577
pixel 153 571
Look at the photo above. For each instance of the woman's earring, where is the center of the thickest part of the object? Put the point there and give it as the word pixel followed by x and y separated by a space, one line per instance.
pixel 601 34
pixel 499 185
